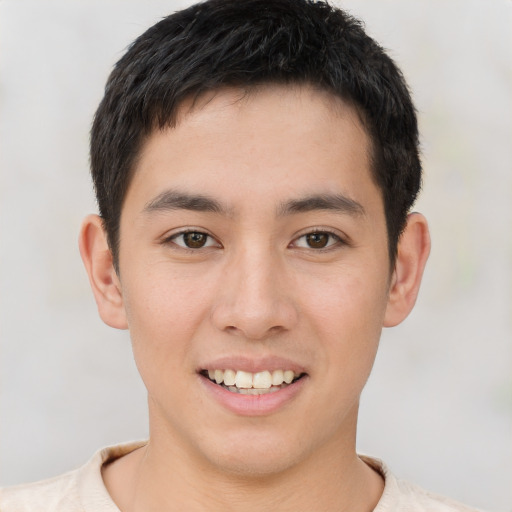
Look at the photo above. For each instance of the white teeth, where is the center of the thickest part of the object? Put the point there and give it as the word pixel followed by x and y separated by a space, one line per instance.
pixel 288 376
pixel 240 380
pixel 219 376
pixel 243 379
pixel 262 380
pixel 254 391
pixel 277 378
pixel 229 378
pixel 249 391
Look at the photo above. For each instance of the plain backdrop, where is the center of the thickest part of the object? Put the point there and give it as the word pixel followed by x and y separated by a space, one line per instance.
pixel 438 407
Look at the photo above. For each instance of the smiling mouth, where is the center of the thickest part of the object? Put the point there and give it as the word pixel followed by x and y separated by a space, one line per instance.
pixel 246 383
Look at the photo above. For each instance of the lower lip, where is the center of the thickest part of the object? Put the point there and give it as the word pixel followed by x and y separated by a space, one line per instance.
pixel 253 405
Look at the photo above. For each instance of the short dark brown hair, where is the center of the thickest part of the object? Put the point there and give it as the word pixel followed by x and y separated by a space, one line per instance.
pixel 245 43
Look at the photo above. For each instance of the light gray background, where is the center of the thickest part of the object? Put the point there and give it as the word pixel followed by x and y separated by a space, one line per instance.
pixel 438 407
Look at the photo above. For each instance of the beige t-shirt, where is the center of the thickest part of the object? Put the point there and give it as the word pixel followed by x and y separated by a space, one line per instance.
pixel 83 490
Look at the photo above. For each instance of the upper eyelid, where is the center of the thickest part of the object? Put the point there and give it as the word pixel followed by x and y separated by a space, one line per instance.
pixel 170 237
pixel 341 237
pixel 342 240
pixel 183 231
pixel 330 231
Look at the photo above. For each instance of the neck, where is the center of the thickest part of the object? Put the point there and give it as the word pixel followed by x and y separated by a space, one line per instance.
pixel 160 476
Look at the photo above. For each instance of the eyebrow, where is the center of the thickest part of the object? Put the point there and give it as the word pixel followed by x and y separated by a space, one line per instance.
pixel 332 202
pixel 176 200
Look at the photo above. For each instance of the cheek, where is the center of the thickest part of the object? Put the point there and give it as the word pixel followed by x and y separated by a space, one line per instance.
pixel 345 319
pixel 164 310
pixel 348 313
pixel 348 298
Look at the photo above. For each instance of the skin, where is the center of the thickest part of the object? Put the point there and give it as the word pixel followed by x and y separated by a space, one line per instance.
pixel 258 288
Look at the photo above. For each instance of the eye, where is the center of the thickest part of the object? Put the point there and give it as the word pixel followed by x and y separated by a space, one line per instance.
pixel 317 240
pixel 193 240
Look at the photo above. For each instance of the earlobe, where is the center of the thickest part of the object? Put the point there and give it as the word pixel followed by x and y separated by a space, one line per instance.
pixel 104 281
pixel 413 251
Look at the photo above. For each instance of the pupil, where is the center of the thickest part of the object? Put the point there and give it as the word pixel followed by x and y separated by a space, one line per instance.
pixel 194 240
pixel 317 240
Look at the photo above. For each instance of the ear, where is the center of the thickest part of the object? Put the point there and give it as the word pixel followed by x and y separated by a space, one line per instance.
pixel 98 262
pixel 413 251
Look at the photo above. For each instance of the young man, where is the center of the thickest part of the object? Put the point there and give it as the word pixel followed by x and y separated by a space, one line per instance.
pixel 255 163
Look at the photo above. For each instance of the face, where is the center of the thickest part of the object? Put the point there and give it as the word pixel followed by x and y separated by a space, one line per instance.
pixel 254 276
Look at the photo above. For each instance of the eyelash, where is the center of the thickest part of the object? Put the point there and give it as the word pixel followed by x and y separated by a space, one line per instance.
pixel 172 239
pixel 335 240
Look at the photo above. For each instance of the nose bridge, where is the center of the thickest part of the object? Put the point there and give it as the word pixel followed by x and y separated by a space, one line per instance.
pixel 254 300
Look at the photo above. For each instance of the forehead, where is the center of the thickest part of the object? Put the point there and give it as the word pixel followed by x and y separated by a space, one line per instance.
pixel 258 144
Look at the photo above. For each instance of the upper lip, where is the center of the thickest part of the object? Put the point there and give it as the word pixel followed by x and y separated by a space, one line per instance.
pixel 252 365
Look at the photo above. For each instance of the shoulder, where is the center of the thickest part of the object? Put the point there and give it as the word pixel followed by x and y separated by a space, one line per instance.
pixel 54 494
pixel 414 496
pixel 402 496
pixel 81 490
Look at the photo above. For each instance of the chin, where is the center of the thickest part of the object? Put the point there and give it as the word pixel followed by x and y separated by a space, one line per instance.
pixel 258 455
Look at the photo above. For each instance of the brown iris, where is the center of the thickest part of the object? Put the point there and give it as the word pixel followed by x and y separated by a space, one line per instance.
pixel 317 240
pixel 195 240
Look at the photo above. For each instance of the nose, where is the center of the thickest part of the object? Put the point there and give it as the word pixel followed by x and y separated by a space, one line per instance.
pixel 255 298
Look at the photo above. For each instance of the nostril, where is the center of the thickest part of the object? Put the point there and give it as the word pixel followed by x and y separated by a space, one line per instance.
pixel 253 332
